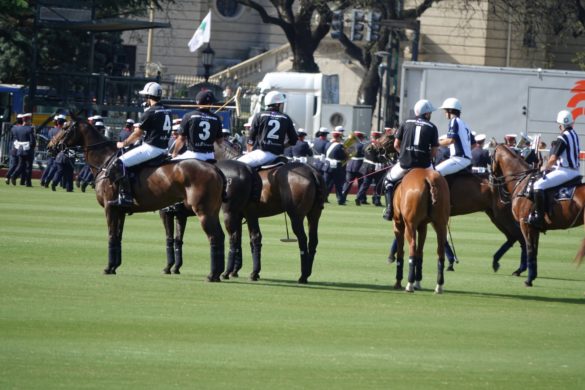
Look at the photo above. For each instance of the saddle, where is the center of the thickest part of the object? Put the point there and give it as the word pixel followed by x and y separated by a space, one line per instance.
pixel 278 161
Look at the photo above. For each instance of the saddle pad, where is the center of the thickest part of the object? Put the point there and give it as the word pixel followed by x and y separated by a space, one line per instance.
pixel 564 193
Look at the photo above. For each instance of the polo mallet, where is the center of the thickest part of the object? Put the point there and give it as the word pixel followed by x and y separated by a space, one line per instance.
pixel 287 239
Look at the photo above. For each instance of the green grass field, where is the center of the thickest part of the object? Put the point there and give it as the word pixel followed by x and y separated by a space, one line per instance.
pixel 65 325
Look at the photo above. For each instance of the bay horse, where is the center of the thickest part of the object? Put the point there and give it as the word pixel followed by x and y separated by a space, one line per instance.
pixel 471 193
pixel 295 188
pixel 421 197
pixel 513 174
pixel 199 185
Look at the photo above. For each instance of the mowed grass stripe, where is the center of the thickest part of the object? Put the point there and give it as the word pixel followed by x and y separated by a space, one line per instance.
pixel 64 325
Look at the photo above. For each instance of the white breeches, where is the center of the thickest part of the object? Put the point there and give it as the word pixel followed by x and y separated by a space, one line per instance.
pixel 452 165
pixel 141 154
pixel 257 157
pixel 196 155
pixel 397 172
pixel 556 178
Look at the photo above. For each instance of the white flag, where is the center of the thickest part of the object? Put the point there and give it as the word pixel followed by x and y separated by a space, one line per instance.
pixel 202 34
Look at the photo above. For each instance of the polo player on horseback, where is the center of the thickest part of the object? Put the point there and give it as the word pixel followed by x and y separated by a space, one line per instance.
pixel 418 141
pixel 199 130
pixel 564 162
pixel 269 132
pixel 156 127
pixel 458 140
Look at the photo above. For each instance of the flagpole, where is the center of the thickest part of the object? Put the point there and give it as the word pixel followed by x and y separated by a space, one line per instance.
pixel 149 42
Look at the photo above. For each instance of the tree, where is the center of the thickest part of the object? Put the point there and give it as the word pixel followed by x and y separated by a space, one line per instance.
pixel 57 50
pixel 303 35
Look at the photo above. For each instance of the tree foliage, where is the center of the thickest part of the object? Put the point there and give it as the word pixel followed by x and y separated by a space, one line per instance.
pixel 59 49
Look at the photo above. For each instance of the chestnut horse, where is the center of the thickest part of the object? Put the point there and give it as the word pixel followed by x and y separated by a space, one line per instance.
pixel 471 193
pixel 421 197
pixel 295 188
pixel 513 174
pixel 199 185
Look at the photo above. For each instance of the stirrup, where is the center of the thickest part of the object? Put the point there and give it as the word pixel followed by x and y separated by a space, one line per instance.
pixel 535 220
pixel 387 215
pixel 121 202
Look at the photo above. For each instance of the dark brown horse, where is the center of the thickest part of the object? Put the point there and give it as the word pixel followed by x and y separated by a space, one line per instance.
pixel 198 184
pixel 513 174
pixel 295 188
pixel 421 197
pixel 471 193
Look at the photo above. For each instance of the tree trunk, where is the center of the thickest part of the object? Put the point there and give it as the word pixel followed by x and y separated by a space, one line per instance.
pixel 304 57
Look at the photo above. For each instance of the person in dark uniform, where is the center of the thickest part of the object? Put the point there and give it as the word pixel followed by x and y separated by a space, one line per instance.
pixel 353 168
pixel 319 148
pixel 156 126
pixel 24 142
pixel 562 165
pixel 370 165
pixel 64 162
pixel 269 132
pixel 301 151
pixel 199 130
pixel 480 157
pixel 12 158
pixel 418 141
pixel 51 168
pixel 334 169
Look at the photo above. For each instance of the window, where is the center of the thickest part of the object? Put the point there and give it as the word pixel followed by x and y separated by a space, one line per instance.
pixel 229 9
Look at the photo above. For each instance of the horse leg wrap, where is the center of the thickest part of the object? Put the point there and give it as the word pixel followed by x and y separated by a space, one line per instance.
pixel 306 265
pixel 440 272
pixel 418 268
pixel 170 253
pixel 411 269
pixel 178 256
pixel 114 256
pixel 399 269
pixel 256 259
pixel 217 261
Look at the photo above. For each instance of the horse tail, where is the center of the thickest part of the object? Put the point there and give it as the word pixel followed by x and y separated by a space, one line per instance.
pixel 321 190
pixel 224 194
pixel 580 254
pixel 433 189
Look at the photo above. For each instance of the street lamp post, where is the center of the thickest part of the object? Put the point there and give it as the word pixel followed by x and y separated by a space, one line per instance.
pixel 208 54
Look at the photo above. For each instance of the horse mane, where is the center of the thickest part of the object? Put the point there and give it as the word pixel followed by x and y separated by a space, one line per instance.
pixel 513 156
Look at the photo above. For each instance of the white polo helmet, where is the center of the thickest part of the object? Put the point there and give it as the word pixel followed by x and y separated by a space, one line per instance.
pixel 451 104
pixel 565 118
pixel 151 89
pixel 274 97
pixel 423 106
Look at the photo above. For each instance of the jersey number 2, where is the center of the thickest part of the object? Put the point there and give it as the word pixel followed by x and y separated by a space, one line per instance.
pixel 273 134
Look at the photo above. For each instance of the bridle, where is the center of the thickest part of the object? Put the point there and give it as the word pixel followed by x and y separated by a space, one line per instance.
pixel 500 182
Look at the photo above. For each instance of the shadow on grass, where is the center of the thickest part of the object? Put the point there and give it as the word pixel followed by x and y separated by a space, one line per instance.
pixel 362 287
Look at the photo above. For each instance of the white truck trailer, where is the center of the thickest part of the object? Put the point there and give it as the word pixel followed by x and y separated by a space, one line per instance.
pixel 313 101
pixel 497 101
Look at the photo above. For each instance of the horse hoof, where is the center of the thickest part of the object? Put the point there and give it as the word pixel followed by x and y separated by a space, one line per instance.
pixel 254 278
pixel 527 283
pixel 439 289
pixel 409 288
pixel 451 268
pixel 176 272
pixel 303 280
pixel 225 276
pixel 234 274
pixel 109 272
pixel 397 286
pixel 166 271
